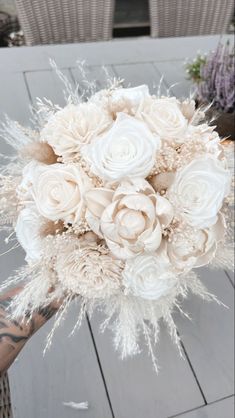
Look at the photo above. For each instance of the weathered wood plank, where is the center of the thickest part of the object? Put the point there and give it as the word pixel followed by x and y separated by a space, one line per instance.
pixel 68 372
pixel 136 390
pixel 220 409
pixel 46 84
pixel 14 102
pixel 94 74
pixel 14 99
pixel 174 75
pixel 209 337
pixel 136 74
pixel 230 274
pixel 113 52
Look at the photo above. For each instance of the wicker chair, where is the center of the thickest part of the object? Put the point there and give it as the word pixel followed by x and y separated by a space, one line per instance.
pixel 5 400
pixel 189 17
pixel 63 21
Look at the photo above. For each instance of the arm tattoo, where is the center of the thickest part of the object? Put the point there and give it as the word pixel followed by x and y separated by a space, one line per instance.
pixel 5 303
pixel 14 334
pixel 47 312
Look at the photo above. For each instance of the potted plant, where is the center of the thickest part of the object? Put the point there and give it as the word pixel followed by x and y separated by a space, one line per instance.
pixel 214 77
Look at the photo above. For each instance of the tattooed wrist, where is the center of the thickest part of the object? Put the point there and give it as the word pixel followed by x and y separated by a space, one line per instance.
pixel 15 333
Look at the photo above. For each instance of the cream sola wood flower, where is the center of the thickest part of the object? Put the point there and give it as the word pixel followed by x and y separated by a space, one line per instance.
pixel 57 190
pixel 28 232
pixel 124 100
pixel 150 276
pixel 198 191
pixel 164 117
pixel 131 219
pixel 86 267
pixel 75 125
pixel 190 248
pixel 31 228
pixel 155 275
pixel 128 149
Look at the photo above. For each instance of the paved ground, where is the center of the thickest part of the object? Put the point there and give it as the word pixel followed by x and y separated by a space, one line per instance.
pixel 85 367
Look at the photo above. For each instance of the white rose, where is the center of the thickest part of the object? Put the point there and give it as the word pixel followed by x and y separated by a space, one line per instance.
pixel 198 191
pixel 132 222
pixel 129 97
pixel 121 99
pixel 27 231
pixel 149 276
pixel 134 94
pixel 164 117
pixel 189 249
pixel 73 126
pixel 58 191
pixel 127 150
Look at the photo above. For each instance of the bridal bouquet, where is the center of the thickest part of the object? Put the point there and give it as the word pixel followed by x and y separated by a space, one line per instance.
pixel 116 198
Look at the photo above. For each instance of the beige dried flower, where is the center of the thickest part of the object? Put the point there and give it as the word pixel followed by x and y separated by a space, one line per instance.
pixel 187 107
pixel 51 228
pixel 89 271
pixel 160 182
pixel 40 151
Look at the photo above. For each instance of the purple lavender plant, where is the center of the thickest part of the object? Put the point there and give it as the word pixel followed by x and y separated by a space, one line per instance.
pixel 218 79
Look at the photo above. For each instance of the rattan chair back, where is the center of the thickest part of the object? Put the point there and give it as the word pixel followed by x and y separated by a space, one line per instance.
pixel 65 21
pixel 171 18
pixel 5 399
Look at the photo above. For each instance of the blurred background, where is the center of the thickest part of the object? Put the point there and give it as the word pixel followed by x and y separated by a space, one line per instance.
pixel 33 22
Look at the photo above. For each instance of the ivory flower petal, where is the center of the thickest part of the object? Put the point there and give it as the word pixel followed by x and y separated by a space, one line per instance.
pixel 149 276
pixel 198 191
pixel 188 249
pixel 164 117
pixel 164 211
pixel 58 191
pixel 135 94
pixel 127 150
pixel 128 98
pixel 132 222
pixel 27 231
pixel 97 199
pixel 75 125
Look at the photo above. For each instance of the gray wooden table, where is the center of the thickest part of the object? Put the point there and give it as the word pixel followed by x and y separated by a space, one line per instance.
pixel 85 367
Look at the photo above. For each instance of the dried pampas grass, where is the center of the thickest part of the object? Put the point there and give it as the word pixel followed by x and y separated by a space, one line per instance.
pixel 8 199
